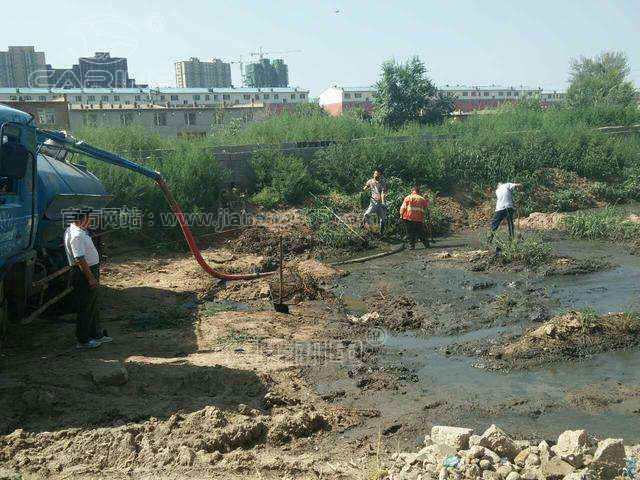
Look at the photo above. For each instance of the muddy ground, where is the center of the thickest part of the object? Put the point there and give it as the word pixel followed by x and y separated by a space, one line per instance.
pixel 221 386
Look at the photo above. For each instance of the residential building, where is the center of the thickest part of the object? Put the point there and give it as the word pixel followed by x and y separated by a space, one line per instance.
pixel 470 98
pixel 336 100
pixel 194 73
pixel 266 73
pixel 19 67
pixel 104 71
pixel 51 112
pixel 274 99
pixel 168 121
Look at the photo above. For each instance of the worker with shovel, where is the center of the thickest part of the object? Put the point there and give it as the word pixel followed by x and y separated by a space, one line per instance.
pixel 413 210
pixel 504 208
pixel 378 188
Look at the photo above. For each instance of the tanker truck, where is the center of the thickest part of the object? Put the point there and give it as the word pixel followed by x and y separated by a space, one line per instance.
pixel 37 185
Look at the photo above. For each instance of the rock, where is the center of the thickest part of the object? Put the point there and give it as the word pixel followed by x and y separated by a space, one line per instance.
pixel 473 471
pixel 609 458
pixel 513 476
pixel 555 469
pixel 532 460
pixel 489 475
pixel 186 456
pixel 581 475
pixel 497 440
pixel 572 446
pixel 455 437
pixel 529 475
pixel 474 440
pixel 522 444
pixel 485 464
pixel 109 373
pixel 504 470
pixel 443 474
pixel 476 451
pixel 521 458
pixel 491 456
pixel 436 453
pixel 544 452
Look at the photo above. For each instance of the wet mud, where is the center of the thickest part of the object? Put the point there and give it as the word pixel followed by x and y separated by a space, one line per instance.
pixel 441 321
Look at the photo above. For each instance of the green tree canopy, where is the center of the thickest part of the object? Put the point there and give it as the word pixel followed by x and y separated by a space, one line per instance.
pixel 601 81
pixel 404 94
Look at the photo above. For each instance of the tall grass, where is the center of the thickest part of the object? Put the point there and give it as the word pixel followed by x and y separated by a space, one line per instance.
pixel 608 224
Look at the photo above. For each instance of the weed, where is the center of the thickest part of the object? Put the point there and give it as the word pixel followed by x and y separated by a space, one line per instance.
pixel 171 318
pixel 608 224
pixel 531 250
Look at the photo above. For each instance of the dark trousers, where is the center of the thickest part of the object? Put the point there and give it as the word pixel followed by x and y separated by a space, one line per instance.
pixel 87 307
pixel 501 215
pixel 416 230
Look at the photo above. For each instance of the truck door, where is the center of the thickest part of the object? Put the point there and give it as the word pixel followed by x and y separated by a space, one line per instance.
pixel 16 195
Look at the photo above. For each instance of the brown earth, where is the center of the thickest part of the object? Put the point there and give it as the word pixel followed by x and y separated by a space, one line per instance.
pixel 213 386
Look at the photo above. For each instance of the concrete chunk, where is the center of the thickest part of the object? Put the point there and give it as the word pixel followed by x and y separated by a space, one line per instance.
pixel 110 373
pixel 455 437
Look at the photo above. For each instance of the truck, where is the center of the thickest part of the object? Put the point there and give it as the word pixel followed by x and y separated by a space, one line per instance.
pixel 39 183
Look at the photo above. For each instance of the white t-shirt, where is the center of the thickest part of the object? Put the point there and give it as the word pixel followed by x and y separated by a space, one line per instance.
pixel 78 243
pixel 504 194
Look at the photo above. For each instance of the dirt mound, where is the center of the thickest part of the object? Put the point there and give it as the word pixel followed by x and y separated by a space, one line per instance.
pixel 183 440
pixel 398 313
pixel 542 221
pixel 263 241
pixel 568 336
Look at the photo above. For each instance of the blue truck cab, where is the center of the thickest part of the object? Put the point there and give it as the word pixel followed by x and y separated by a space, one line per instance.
pixel 37 185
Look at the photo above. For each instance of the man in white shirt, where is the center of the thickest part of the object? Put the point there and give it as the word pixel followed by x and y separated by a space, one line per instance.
pixel 504 207
pixel 378 188
pixel 82 253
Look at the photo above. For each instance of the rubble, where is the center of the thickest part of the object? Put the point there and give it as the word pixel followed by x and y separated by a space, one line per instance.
pixel 454 453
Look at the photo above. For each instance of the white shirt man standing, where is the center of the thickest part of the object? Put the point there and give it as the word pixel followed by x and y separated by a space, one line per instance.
pixel 504 207
pixel 81 252
pixel 378 188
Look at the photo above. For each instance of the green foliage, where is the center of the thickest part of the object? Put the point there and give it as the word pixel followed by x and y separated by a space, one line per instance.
pixel 267 198
pixel 608 224
pixel 328 230
pixel 601 81
pixel 568 200
pixel 531 250
pixel 284 175
pixel 405 94
pixel 194 177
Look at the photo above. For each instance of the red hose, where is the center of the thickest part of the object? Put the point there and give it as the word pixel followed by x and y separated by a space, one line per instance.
pixel 192 244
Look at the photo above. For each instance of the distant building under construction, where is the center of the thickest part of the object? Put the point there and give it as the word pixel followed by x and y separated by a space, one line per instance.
pixel 266 74
pixel 193 73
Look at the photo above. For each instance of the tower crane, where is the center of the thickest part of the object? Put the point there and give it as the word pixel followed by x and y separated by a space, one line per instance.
pixel 261 54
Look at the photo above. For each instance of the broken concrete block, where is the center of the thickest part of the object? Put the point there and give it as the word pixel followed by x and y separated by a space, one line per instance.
pixel 497 440
pixel 455 437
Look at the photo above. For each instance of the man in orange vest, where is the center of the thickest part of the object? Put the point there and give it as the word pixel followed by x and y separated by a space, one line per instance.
pixel 413 211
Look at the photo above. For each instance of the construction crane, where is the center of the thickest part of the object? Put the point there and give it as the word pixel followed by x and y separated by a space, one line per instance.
pixel 261 54
pixel 241 65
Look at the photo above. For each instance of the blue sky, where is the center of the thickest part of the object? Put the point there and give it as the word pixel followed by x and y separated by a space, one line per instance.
pixel 343 42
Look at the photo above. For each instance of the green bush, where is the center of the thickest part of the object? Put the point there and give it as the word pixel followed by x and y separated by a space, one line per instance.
pixel 568 200
pixel 267 198
pixel 194 177
pixel 286 175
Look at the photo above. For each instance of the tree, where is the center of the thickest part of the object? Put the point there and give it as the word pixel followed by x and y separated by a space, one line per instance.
pixel 601 81
pixel 404 94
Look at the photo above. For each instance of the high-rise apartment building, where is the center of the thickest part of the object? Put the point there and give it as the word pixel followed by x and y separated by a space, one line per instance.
pixel 265 74
pixel 22 67
pixel 193 73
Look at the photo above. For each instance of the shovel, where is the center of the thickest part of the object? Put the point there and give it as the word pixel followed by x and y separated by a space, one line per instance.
pixel 279 306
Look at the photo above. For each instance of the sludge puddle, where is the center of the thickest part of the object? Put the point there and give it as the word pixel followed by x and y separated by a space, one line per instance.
pixel 600 393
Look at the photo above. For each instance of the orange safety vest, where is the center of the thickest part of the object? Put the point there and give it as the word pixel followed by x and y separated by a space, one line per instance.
pixel 414 207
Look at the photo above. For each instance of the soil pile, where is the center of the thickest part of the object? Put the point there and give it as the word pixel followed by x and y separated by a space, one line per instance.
pixel 569 336
pixel 194 441
pixel 261 240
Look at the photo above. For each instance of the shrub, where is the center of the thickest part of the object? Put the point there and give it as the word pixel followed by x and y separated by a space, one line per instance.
pixel 285 175
pixel 267 198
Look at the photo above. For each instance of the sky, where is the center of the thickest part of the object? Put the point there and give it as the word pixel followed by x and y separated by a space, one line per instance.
pixel 339 42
